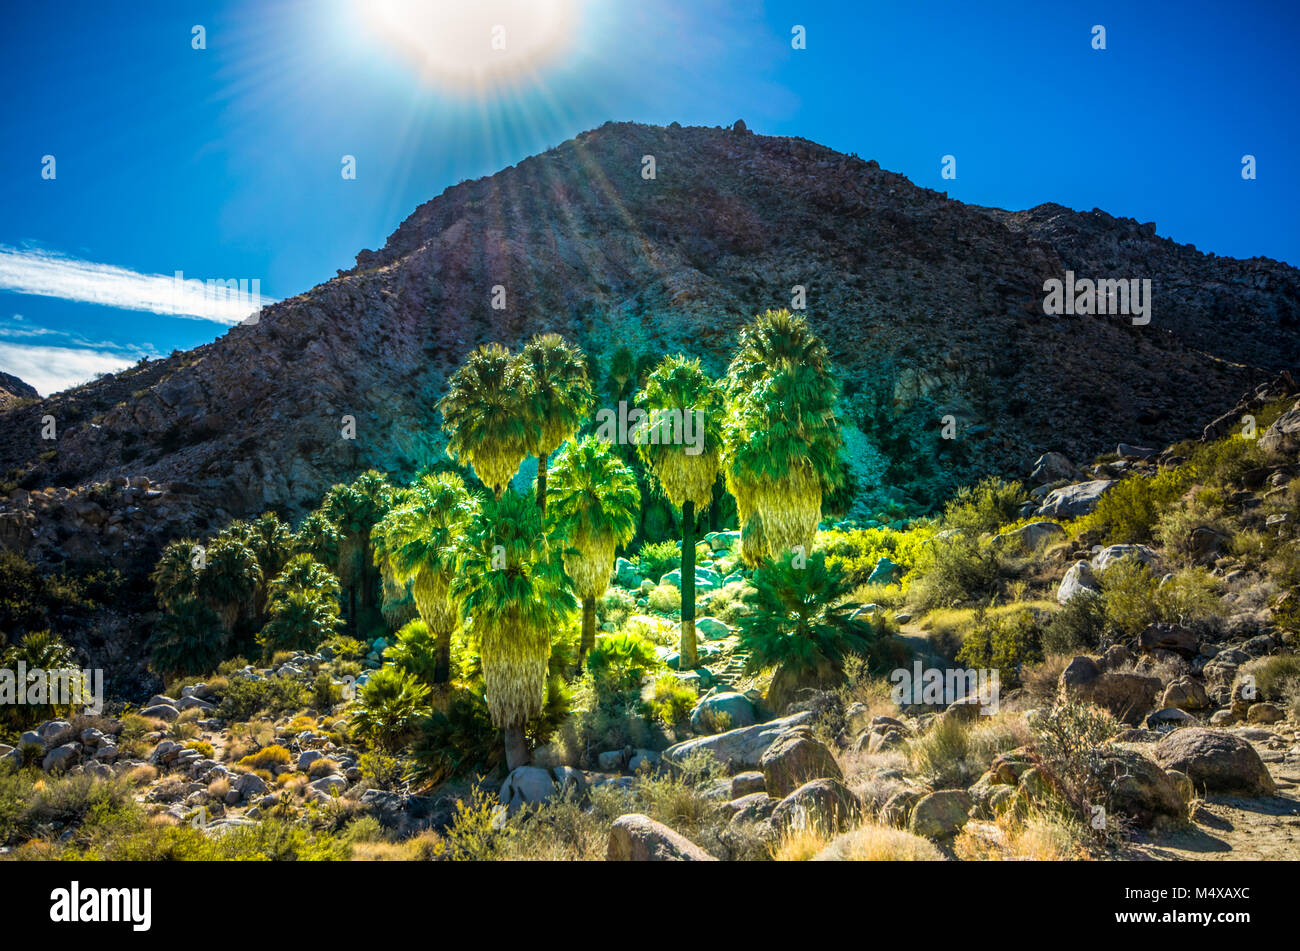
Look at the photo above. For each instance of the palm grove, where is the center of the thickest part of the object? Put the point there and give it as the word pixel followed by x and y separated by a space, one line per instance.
pixel 483 584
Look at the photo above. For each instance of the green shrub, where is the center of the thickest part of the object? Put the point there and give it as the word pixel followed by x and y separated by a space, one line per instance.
pixel 415 650
pixel 1127 513
pixel 1005 642
pixel 673 701
pixel 614 607
pixel 245 697
pixel 390 705
pixel 267 758
pixel 1079 627
pixel 619 661
pixel 1276 677
pixel 656 559
pixel 986 507
pixel 953 571
pixel 665 599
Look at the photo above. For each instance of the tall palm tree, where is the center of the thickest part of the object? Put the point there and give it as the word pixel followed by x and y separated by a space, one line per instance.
pixel 229 581
pixel 303 605
pixel 355 508
pixel 559 398
pixel 513 591
pixel 417 540
pixel 175 575
pixel 485 415
pixel 675 388
pixel 594 506
pixel 782 436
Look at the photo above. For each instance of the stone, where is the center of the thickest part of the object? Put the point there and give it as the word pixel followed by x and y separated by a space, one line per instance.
pixel 1071 501
pixel 626 574
pixel 748 783
pixel 705 579
pixel 307 757
pixel 719 712
pixel 754 807
pixel 897 810
pixel 885 572
pixel 1216 762
pixel 61 758
pixel 740 749
pixel 248 785
pixel 1127 696
pixel 1185 694
pixel 1170 716
pixel 1264 713
pixel 611 761
pixel 711 629
pixel 825 805
pixel 638 838
pixel 1283 436
pixel 941 815
pixel 55 732
pixel 1030 537
pixel 1169 637
pixel 1078 579
pixel 1113 553
pixel 1054 467
pixel 161 711
pixel 795 759
pixel 1139 789
pixel 643 760
pixel 527 786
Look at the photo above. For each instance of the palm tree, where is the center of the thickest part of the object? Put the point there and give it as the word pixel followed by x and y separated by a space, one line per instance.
pixel 595 501
pixel 175 576
pixel 800 622
pixel 675 388
pixel 485 415
pixel 417 540
pixel 188 641
pixel 229 580
pixel 559 398
pixel 782 436
pixel 355 508
pixel 513 591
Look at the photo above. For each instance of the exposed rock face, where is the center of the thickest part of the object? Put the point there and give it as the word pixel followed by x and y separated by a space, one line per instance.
pixel 638 838
pixel 1216 762
pixel 14 390
pixel 931 302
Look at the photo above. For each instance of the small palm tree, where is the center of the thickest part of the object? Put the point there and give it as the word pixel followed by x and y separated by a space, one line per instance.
pixel 485 415
pixel 559 398
pixel 675 388
pixel 801 623
pixel 513 591
pixel 228 581
pixel 303 607
pixel 595 501
pixel 189 639
pixel 391 703
pixel 176 574
pixel 782 436
pixel 417 540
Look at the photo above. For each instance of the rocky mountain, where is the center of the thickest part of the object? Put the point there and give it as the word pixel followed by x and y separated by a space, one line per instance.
pixel 14 390
pixel 667 239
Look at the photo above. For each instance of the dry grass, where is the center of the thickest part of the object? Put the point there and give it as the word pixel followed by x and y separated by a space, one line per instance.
pixel 142 775
pixel 1040 837
pixel 1041 680
pixel 879 843
pixel 799 845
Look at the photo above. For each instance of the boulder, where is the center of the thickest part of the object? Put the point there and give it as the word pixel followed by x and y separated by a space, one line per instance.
pixel 1216 762
pixel 527 785
pixel 1071 501
pixel 1079 579
pixel 1170 637
pixel 1054 467
pixel 740 749
pixel 1030 537
pixel 885 572
pixel 1113 553
pixel 748 783
pixel 638 838
pixel 706 579
pixel 1283 436
pixel 626 574
pixel 941 815
pixel 711 629
pixel 248 785
pixel 61 758
pixel 825 805
pixel 795 759
pixel 161 711
pixel 1185 694
pixel 1127 696
pixel 719 712
pixel 752 808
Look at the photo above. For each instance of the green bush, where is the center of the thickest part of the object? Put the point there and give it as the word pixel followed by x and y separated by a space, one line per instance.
pixel 672 702
pixel 986 507
pixel 1005 642
pixel 390 705
pixel 619 661
pixel 665 599
pixel 954 571
pixel 1079 627
pixel 656 559
pixel 245 697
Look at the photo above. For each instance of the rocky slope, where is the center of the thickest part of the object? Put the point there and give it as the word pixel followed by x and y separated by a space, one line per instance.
pixel 14 391
pixel 930 306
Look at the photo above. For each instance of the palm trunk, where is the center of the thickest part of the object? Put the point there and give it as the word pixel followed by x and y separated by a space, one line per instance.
pixel 687 656
pixel 588 630
pixel 541 481
pixel 516 747
pixel 442 658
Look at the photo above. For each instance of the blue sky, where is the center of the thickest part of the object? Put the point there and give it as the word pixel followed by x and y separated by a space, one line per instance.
pixel 224 162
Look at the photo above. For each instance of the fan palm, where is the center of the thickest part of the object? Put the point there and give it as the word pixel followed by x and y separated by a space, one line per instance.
pixel 782 436
pixel 175 576
pixel 800 622
pixel 355 508
pixel 229 579
pixel 188 641
pixel 417 540
pixel 679 390
pixel 512 589
pixel 485 415
pixel 594 508
pixel 559 398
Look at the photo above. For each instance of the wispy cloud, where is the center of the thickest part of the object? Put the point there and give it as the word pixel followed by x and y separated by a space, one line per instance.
pixel 61 359
pixel 50 369
pixel 47 274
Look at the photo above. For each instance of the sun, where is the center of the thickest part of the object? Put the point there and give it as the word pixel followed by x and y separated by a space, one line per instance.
pixel 471 44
